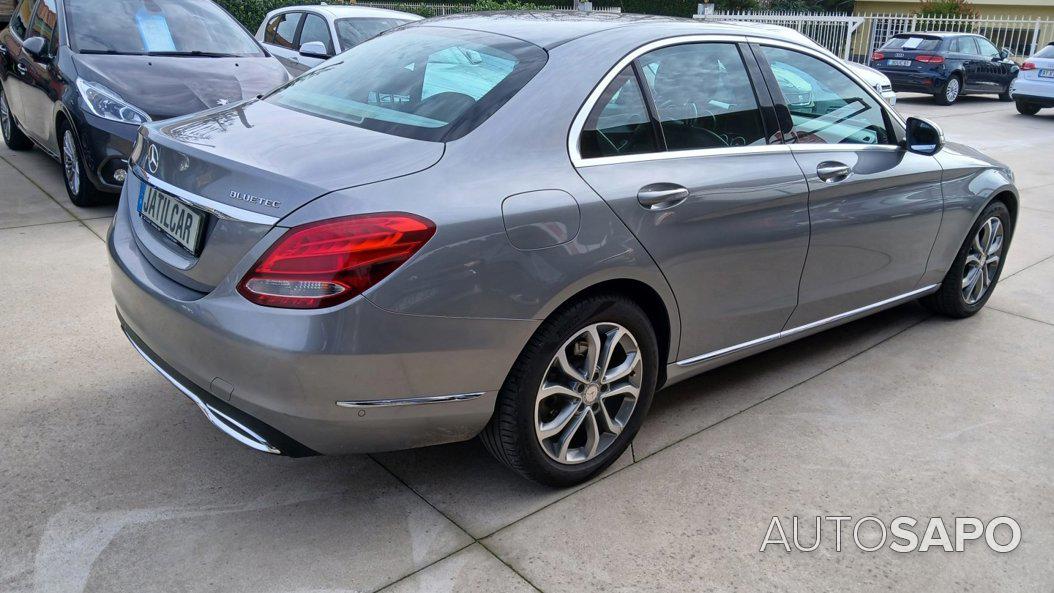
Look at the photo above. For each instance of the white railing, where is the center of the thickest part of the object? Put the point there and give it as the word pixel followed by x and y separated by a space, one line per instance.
pixel 443 9
pixel 855 37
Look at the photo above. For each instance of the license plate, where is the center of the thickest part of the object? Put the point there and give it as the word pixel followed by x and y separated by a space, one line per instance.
pixel 1046 73
pixel 899 63
pixel 175 220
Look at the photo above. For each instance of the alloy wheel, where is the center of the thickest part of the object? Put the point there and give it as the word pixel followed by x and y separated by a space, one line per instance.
pixel 589 393
pixel 951 90
pixel 5 116
pixel 71 162
pixel 982 261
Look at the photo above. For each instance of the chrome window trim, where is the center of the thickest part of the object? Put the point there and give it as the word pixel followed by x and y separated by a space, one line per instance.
pixel 578 124
pixel 808 326
pixel 410 401
pixel 213 207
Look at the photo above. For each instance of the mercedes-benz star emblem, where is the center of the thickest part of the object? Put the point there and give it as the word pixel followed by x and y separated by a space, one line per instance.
pixel 152 159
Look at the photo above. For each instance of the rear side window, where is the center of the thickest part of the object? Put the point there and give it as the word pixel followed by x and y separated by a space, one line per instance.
pixel 619 123
pixel 1046 52
pixel 281 31
pixel 20 19
pixel 316 29
pixel 703 96
pixel 826 106
pixel 913 42
pixel 964 45
pixel 429 84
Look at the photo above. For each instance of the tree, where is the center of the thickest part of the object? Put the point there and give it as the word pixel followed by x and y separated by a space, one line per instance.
pixel 939 8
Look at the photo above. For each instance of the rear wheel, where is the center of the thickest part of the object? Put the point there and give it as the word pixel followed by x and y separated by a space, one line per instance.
pixel 950 92
pixel 13 137
pixel 578 393
pixel 1025 108
pixel 79 187
pixel 974 273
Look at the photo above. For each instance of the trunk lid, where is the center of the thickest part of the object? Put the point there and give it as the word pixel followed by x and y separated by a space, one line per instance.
pixel 246 167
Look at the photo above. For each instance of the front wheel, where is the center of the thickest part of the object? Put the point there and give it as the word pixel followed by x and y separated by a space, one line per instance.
pixel 79 187
pixel 578 393
pixel 974 273
pixel 1025 108
pixel 949 94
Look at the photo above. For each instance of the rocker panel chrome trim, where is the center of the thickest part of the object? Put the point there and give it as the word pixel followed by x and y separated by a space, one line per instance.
pixel 411 401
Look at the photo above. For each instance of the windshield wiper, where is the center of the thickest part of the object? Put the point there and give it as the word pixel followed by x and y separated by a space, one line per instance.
pixel 194 54
pixel 110 52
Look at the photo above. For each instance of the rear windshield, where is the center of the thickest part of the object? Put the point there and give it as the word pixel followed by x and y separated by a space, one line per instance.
pixel 352 32
pixel 910 42
pixel 423 83
pixel 1046 52
pixel 156 27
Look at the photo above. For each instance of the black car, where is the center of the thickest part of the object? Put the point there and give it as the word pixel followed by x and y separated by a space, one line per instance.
pixel 78 77
pixel 946 65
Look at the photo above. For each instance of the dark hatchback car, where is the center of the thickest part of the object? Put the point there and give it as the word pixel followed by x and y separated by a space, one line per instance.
pixel 78 77
pixel 946 65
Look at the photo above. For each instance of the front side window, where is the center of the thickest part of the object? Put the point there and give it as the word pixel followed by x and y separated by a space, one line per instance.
pixel 351 32
pixel 619 123
pixel 826 106
pixel 20 18
pixel 316 29
pixel 987 49
pixel 435 84
pixel 703 96
pixel 156 27
pixel 45 20
pixel 281 31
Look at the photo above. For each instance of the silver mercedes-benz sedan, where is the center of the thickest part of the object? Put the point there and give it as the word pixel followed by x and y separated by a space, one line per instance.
pixel 520 226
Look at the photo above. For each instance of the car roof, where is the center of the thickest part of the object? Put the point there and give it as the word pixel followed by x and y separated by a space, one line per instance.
pixel 941 34
pixel 347 11
pixel 551 28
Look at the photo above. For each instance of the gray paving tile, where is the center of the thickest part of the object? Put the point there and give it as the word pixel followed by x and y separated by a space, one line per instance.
pixel 47 174
pixel 1029 293
pixel 948 419
pixel 469 486
pixel 473 569
pixel 23 204
pixel 113 481
pixel 1033 240
pixel 99 226
pixel 691 406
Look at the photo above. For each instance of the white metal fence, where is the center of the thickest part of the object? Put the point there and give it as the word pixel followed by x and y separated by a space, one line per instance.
pixel 855 37
pixel 443 9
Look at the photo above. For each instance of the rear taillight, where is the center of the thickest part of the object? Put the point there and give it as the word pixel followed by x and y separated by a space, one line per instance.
pixel 1028 66
pixel 326 263
pixel 878 56
pixel 930 59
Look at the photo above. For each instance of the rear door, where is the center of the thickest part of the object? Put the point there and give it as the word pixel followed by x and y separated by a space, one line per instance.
pixel 964 50
pixel 874 207
pixel 280 36
pixel 679 145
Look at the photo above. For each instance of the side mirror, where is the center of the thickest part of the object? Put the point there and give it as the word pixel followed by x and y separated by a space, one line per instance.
pixel 314 49
pixel 1005 53
pixel 36 47
pixel 924 136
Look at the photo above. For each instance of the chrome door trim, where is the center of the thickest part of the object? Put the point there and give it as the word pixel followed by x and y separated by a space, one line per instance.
pixel 804 328
pixel 215 208
pixel 229 426
pixel 686 154
pixel 410 401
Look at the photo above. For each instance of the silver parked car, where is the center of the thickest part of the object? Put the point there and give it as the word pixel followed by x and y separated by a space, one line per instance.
pixel 302 37
pixel 520 226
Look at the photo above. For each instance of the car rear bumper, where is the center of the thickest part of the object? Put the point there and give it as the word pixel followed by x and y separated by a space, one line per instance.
pixel 353 378
pixel 914 82
pixel 1037 92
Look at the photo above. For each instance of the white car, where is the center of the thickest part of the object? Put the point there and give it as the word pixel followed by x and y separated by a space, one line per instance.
pixel 880 82
pixel 1033 89
pixel 302 37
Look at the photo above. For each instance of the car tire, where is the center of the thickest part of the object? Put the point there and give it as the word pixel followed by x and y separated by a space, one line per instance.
pixel 1025 108
pixel 589 415
pixel 959 296
pixel 79 187
pixel 1005 96
pixel 13 136
pixel 950 92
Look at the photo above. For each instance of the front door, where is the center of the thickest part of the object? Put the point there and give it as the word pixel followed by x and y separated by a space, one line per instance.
pixel 280 39
pixel 677 146
pixel 40 92
pixel 15 69
pixel 998 72
pixel 875 208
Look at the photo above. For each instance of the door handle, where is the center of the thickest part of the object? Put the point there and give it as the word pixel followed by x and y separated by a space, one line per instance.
pixel 21 68
pixel 659 196
pixel 833 171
